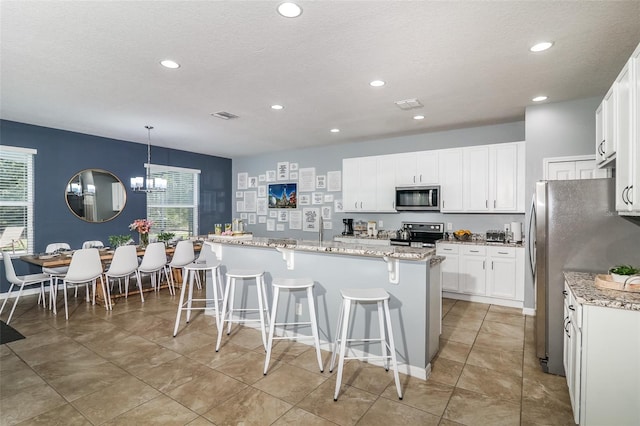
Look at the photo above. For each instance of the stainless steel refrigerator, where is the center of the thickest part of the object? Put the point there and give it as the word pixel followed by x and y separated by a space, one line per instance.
pixel 574 226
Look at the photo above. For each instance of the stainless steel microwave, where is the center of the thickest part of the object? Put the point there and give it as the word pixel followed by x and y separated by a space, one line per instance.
pixel 418 198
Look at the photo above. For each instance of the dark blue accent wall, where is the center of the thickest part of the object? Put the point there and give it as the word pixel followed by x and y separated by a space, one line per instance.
pixel 61 154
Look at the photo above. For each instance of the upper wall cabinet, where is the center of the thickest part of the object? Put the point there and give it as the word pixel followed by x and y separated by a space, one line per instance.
pixel 606 135
pixel 417 168
pixel 479 179
pixel 451 192
pixel 368 184
pixel 493 177
pixel 627 107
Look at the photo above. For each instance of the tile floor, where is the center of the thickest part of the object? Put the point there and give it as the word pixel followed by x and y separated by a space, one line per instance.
pixel 125 368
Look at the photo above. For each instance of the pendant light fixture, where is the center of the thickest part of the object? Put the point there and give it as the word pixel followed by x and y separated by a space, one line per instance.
pixel 147 184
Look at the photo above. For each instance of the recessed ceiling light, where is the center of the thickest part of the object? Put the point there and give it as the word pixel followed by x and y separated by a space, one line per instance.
pixel 168 63
pixel 539 47
pixel 277 106
pixel 335 130
pixel 418 117
pixel 377 83
pixel 289 10
pixel 539 98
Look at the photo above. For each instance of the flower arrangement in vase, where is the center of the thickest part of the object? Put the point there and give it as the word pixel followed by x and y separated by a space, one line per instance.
pixel 143 227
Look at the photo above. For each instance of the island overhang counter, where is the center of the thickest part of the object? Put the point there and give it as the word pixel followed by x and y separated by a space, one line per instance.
pixel 410 275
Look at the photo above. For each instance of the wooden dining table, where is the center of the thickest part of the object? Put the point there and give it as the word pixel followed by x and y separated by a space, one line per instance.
pixel 106 255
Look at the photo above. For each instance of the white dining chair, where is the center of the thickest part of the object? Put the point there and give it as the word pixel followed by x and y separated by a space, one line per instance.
pixel 123 265
pixel 22 281
pixel 93 244
pixel 85 268
pixel 182 256
pixel 154 263
pixel 55 273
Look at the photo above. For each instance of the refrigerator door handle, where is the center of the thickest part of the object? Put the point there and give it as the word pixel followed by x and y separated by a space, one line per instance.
pixel 531 238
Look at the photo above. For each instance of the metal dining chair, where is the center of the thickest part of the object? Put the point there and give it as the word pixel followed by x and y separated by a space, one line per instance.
pixel 22 281
pixel 154 263
pixel 85 268
pixel 123 265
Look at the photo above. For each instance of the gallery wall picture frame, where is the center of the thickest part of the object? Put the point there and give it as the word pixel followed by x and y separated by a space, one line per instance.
pixel 282 195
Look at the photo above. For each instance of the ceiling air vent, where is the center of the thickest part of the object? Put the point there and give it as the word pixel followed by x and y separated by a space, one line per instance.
pixel 408 104
pixel 224 115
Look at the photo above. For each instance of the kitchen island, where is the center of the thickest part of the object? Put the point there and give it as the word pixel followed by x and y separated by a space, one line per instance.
pixel 410 275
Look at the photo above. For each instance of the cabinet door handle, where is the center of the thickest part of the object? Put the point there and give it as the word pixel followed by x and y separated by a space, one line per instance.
pixel 447 249
pixel 414 179
pixel 474 251
pixel 624 192
pixel 420 178
pixel 486 204
pixel 572 308
pixel 442 203
pixel 565 292
pixel 502 252
pixel 494 204
pixel 360 204
pixel 355 205
pixel 629 195
pixel 492 264
pixel 483 264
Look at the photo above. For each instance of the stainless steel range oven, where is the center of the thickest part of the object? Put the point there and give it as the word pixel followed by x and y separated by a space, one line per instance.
pixel 421 234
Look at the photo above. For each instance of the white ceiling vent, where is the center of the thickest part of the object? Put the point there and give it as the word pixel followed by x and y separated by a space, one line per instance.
pixel 224 115
pixel 409 104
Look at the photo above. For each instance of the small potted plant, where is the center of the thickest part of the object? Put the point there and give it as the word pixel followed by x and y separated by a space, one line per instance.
pixel 621 273
pixel 165 237
pixel 116 241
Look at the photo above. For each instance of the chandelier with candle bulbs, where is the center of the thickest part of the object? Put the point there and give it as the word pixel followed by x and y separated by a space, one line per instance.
pixel 148 184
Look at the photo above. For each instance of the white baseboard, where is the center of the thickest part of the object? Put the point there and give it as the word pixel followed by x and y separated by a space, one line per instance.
pixel 26 292
pixel 529 312
pixel 483 299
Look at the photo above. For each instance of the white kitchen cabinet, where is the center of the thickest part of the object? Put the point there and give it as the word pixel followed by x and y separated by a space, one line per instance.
pixel 451 184
pixel 606 130
pixel 627 102
pixel 483 273
pixel 603 363
pixel 503 270
pixel 573 167
pixel 473 270
pixel 385 184
pixel 417 168
pixel 367 184
pixel 494 178
pixel 476 178
pixel 449 272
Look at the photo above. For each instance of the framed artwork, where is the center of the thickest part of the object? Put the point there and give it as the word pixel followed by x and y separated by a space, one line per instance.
pixel 282 196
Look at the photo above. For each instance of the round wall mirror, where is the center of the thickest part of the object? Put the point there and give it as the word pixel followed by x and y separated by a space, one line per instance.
pixel 95 195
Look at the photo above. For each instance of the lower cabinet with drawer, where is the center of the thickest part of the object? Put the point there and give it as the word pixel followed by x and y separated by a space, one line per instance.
pixel 482 273
pixel 602 362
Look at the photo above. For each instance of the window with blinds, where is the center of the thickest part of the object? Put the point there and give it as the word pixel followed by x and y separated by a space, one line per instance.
pixel 176 209
pixel 16 199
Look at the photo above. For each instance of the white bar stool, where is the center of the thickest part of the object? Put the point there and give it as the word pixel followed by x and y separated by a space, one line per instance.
pixel 292 284
pixel 191 271
pixel 227 302
pixel 369 295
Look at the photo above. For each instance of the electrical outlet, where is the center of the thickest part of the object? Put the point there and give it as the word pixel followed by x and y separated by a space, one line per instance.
pixel 380 225
pixel 449 226
pixel 298 308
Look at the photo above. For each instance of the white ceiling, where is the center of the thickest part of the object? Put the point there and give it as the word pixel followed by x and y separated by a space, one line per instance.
pixel 93 67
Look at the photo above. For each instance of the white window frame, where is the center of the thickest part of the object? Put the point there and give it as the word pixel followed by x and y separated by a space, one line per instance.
pixel 30 201
pixel 196 192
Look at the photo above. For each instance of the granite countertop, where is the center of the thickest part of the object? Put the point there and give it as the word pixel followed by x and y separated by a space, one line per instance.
pixel 332 247
pixel 583 286
pixel 482 242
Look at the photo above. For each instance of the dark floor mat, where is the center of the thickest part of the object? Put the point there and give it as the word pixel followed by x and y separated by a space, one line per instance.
pixel 8 333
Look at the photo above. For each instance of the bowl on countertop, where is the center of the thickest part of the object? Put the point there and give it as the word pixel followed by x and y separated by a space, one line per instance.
pixel 463 237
